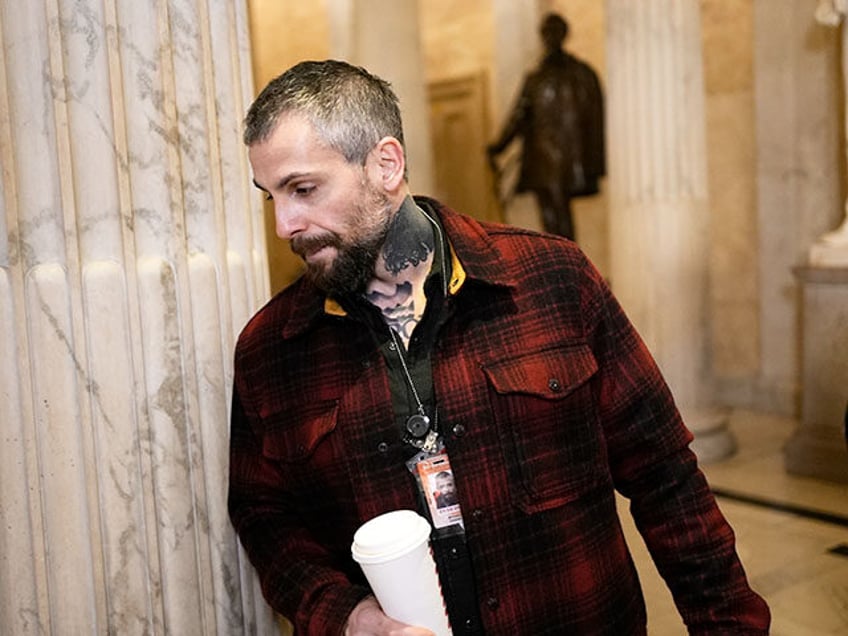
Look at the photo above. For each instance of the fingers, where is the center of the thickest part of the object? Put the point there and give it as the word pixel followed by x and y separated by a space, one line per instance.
pixel 368 619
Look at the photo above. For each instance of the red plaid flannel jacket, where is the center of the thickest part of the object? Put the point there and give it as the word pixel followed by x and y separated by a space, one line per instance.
pixel 549 400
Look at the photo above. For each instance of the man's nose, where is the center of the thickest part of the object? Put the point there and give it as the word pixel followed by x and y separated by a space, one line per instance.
pixel 288 220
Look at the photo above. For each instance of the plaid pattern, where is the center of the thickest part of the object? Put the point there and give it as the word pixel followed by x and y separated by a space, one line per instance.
pixel 549 400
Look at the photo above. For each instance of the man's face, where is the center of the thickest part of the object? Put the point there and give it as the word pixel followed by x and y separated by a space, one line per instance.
pixel 445 485
pixel 335 213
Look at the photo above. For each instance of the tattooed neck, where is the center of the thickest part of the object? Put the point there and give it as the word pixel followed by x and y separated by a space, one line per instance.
pixel 402 267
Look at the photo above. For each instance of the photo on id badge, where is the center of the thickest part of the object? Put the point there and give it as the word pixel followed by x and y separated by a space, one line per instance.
pixel 440 491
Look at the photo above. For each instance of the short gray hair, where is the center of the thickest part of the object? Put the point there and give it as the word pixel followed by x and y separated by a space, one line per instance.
pixel 350 108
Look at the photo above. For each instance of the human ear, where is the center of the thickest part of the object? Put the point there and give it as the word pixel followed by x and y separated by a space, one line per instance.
pixel 390 162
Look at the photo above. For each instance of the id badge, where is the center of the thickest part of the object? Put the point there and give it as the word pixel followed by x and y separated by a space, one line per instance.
pixel 436 478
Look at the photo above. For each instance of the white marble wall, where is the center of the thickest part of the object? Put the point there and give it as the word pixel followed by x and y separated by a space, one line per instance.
pixel 798 176
pixel 131 251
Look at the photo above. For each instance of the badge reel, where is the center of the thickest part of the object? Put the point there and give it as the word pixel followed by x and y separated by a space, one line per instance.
pixel 420 434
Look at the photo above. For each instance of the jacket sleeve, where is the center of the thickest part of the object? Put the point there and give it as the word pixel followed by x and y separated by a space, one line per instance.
pixel 300 579
pixel 652 465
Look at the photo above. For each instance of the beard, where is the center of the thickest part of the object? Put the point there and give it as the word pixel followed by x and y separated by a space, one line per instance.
pixel 356 256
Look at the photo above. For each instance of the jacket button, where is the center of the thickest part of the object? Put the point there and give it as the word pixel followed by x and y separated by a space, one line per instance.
pixel 459 430
pixel 478 514
pixel 383 447
pixel 469 624
pixel 554 385
pixel 492 602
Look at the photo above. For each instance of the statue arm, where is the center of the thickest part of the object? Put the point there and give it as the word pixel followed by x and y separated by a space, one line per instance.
pixel 514 125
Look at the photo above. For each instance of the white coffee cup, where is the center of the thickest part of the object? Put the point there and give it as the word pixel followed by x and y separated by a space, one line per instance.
pixel 394 553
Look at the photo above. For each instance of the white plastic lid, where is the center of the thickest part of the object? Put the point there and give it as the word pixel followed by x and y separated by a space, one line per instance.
pixel 389 536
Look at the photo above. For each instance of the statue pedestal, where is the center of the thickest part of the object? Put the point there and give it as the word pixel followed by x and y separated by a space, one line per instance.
pixel 818 447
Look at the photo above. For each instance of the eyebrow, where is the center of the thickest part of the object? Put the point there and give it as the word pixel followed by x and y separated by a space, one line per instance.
pixel 282 183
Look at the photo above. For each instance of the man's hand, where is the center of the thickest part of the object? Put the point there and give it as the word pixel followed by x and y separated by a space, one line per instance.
pixel 368 619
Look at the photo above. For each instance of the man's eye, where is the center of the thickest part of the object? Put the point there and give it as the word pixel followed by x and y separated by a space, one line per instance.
pixel 303 191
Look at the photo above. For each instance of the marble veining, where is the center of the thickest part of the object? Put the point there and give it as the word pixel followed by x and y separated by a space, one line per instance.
pixel 116 329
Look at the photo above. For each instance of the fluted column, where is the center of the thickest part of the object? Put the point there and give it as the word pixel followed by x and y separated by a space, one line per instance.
pixel 383 36
pixel 659 216
pixel 131 252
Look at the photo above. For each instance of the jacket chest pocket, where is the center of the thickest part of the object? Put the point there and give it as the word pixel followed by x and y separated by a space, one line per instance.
pixel 544 408
pixel 303 442
pixel 300 440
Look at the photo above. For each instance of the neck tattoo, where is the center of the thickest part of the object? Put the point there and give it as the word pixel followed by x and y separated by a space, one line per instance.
pixel 402 268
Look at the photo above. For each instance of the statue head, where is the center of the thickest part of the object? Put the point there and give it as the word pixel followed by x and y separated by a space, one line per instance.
pixel 554 30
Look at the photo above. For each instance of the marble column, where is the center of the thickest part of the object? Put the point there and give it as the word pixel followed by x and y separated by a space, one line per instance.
pixel 383 36
pixel 659 211
pixel 131 252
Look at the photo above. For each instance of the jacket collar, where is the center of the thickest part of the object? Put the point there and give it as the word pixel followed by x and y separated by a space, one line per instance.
pixel 472 243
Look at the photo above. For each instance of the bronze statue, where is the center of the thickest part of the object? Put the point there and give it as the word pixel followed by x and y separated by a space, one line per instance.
pixel 559 116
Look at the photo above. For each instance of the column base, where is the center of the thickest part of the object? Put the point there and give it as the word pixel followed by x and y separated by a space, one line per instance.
pixel 713 440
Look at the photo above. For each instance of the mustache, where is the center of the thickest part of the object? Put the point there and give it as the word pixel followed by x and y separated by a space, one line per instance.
pixel 305 245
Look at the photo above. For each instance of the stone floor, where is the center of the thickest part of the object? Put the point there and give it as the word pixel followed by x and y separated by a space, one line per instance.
pixel 792 535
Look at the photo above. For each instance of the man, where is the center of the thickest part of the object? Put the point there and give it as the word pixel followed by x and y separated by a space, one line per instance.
pixel 445 494
pixel 420 340
pixel 559 116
